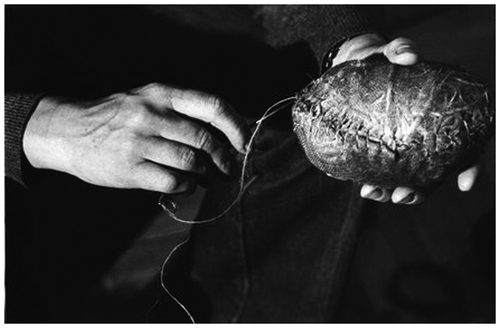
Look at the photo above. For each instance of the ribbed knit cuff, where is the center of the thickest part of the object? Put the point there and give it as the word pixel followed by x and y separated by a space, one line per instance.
pixel 349 21
pixel 18 109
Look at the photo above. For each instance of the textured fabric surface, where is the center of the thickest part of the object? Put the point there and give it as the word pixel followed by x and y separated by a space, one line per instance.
pixel 321 27
pixel 18 108
pixel 280 255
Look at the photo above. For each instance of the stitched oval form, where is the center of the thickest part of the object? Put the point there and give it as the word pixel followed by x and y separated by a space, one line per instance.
pixel 388 125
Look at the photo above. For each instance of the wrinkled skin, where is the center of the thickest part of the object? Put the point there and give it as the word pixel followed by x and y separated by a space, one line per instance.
pixel 155 137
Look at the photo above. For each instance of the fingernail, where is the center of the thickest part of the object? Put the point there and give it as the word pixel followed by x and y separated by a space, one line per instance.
pixel 375 194
pixel 408 199
pixel 465 185
pixel 405 49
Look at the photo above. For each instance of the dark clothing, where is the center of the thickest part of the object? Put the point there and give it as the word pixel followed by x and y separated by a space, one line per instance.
pixel 238 52
pixel 18 108
pixel 280 255
pixel 296 242
pixel 250 55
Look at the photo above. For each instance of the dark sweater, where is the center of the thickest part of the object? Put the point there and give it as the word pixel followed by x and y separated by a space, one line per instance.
pixel 33 46
pixel 18 108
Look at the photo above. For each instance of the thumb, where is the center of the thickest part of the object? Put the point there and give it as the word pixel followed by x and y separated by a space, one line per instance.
pixel 401 51
pixel 467 178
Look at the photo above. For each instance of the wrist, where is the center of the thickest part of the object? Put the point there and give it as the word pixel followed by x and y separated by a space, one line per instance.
pixel 41 142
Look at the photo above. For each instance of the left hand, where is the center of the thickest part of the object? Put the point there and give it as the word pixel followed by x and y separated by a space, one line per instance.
pixel 399 51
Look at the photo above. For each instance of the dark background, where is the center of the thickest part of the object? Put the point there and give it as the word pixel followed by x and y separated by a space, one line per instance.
pixel 81 253
pixel 434 262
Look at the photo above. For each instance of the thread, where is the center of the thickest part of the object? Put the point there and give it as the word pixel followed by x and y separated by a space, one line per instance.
pixel 268 113
pixel 274 109
pixel 183 307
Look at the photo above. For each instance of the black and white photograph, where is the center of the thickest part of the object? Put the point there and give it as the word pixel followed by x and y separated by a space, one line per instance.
pixel 249 163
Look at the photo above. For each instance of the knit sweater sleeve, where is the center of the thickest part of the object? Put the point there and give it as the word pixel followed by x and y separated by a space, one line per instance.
pixel 321 26
pixel 18 109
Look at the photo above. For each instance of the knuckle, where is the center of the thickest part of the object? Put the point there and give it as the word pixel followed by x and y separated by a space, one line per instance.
pixel 205 141
pixel 188 158
pixel 144 89
pixel 140 116
pixel 153 88
pixel 388 50
pixel 218 106
pixel 129 148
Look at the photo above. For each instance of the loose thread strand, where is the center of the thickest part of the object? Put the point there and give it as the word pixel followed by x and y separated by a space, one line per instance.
pixel 162 272
pixel 274 109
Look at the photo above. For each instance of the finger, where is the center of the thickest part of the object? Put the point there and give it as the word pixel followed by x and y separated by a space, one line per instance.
pixel 467 178
pixel 154 177
pixel 406 195
pixel 174 155
pixel 401 51
pixel 375 193
pixel 201 106
pixel 213 110
pixel 194 135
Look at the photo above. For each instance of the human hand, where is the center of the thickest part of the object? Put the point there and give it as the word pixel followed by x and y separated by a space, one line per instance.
pixel 149 138
pixel 400 51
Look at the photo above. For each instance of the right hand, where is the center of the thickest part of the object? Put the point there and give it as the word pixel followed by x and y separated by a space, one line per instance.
pixel 149 138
